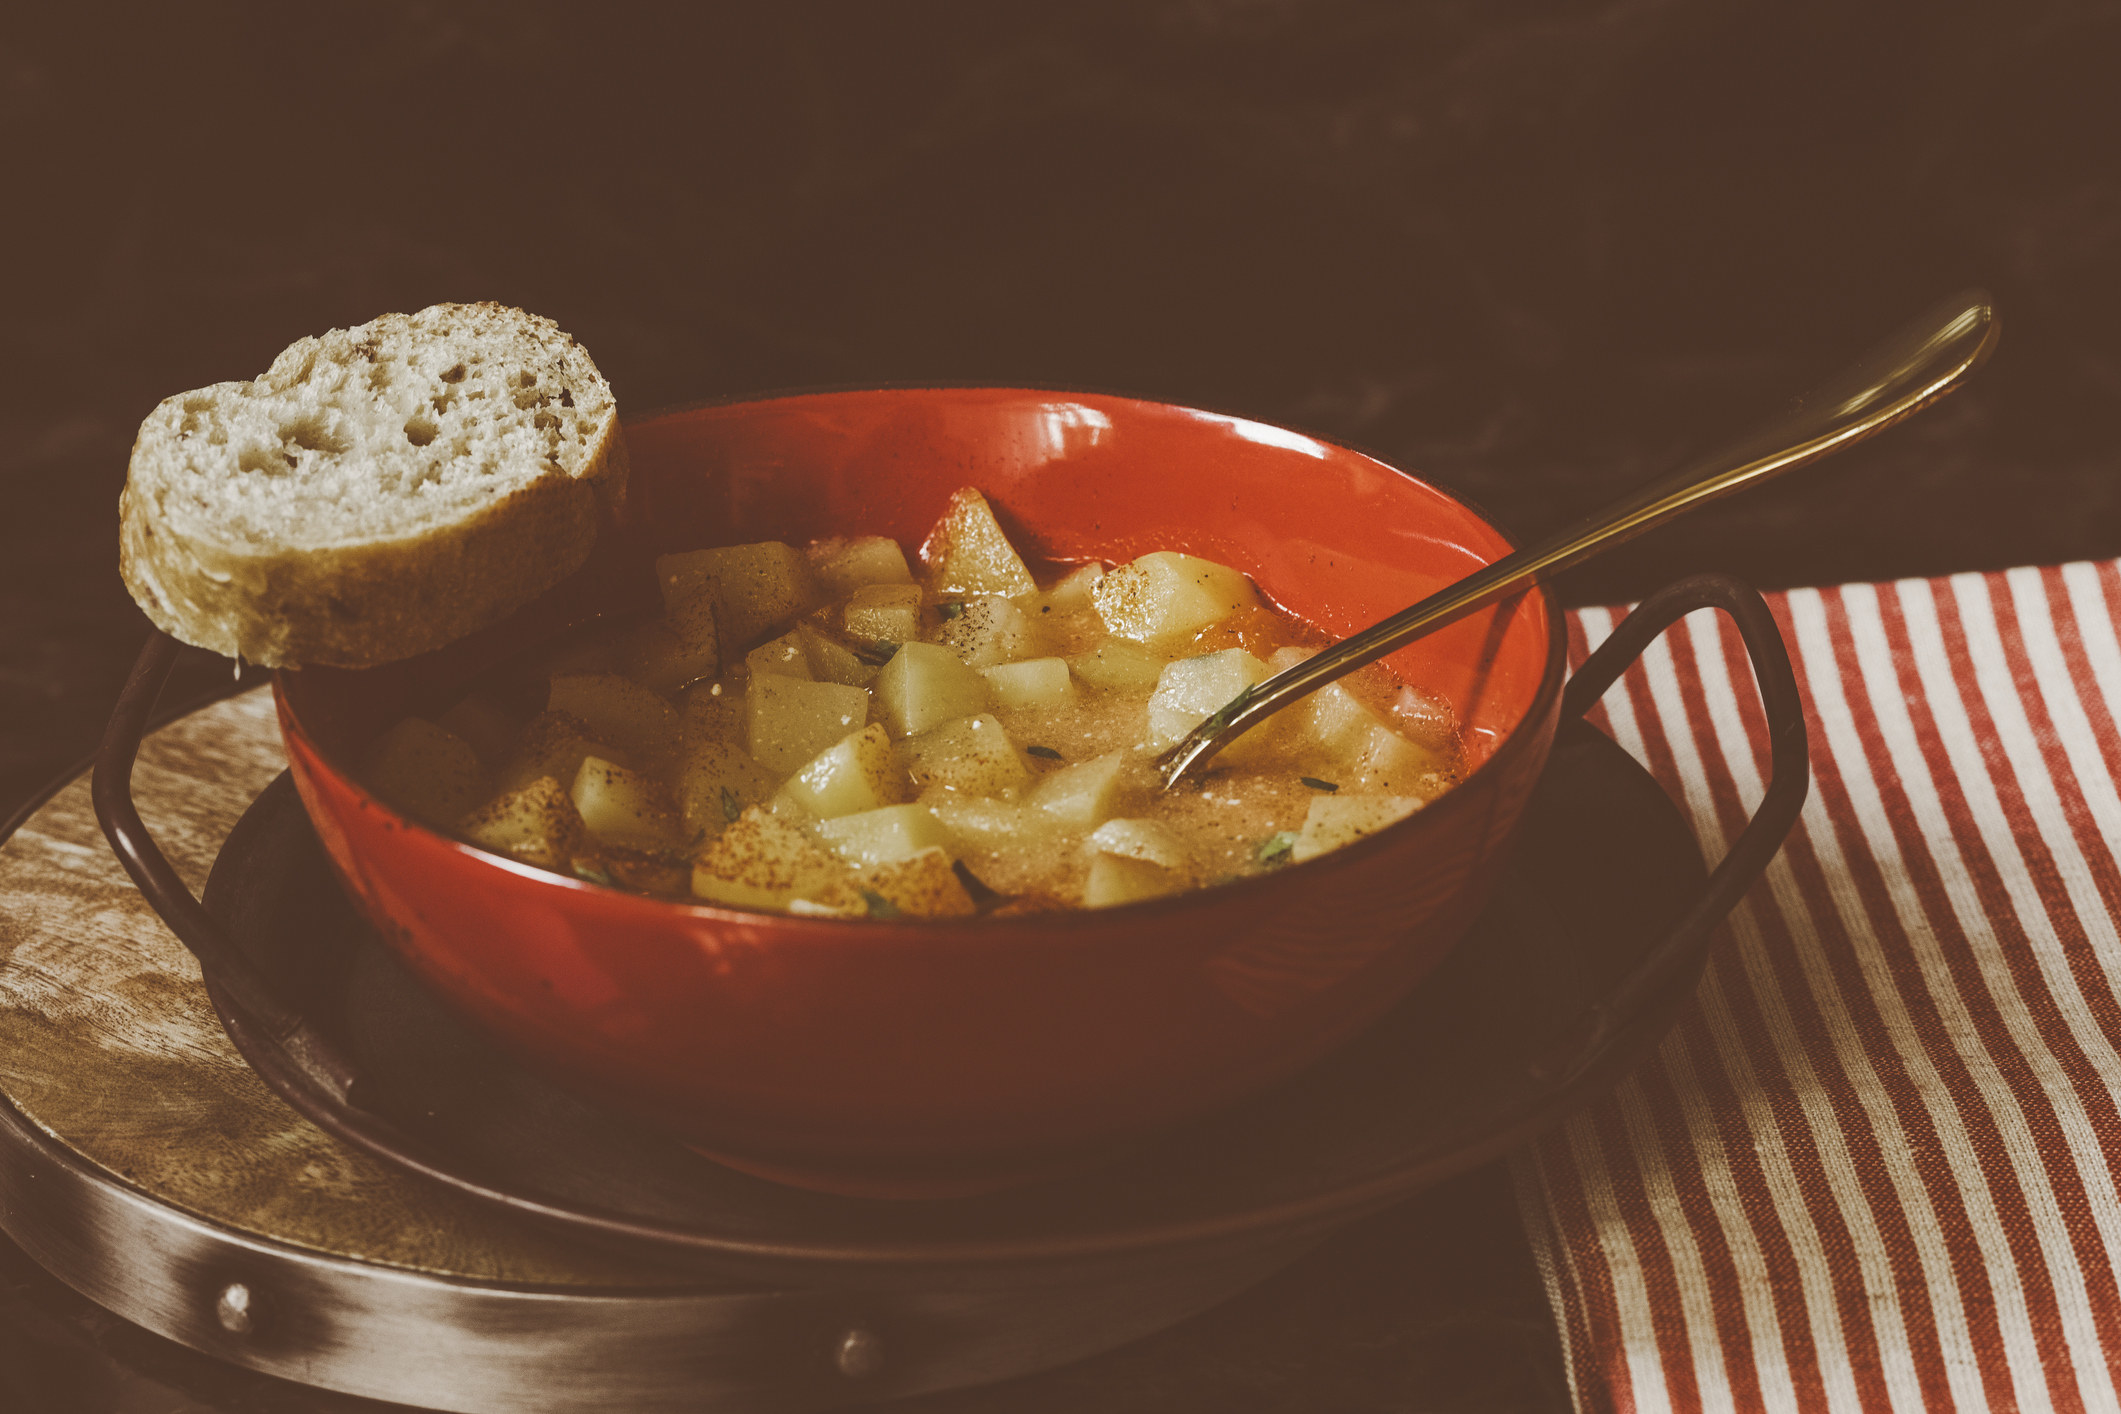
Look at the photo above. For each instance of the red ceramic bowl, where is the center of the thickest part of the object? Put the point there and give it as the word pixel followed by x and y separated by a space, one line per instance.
pixel 913 1057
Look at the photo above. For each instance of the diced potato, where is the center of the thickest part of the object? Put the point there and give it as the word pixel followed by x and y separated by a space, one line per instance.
pixel 1334 720
pixel 1089 793
pixel 1164 598
pixel 1336 820
pixel 844 564
pixel 847 902
pixel 1073 593
pixel 1038 684
pixel 625 807
pixel 1389 762
pixel 1141 839
pixel 717 781
pixel 879 836
pixel 884 613
pixel 655 655
pixel 763 590
pixel 857 774
pixel 537 824
pixel 1119 665
pixel 784 655
pixel 783 806
pixel 967 552
pixel 762 861
pixel 985 629
pixel 428 773
pixel 692 607
pixel 832 660
pixel 1115 879
pixel 924 886
pixel 620 711
pixel 1283 658
pixel 979 822
pixel 1346 736
pixel 712 711
pixel 923 686
pixel 971 755
pixel 1193 688
pixel 743 590
pixel 484 726
pixel 663 872
pixel 554 744
pixel 921 886
pixel 790 720
pixel 1425 718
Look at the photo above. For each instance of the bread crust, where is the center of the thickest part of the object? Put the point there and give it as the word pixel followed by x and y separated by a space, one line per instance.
pixel 375 601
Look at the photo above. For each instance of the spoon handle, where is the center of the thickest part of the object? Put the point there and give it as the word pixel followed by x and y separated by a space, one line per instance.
pixel 1901 376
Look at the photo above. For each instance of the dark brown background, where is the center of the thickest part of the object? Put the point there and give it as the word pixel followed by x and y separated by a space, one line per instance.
pixel 1536 251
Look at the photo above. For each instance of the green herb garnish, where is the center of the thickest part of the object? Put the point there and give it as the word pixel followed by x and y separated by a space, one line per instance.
pixel 1275 848
pixel 879 906
pixel 1045 751
pixel 950 610
pixel 731 806
pixel 591 873
pixel 1316 784
pixel 982 896
pixel 874 654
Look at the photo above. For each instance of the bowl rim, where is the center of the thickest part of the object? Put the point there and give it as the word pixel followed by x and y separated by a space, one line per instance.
pixel 1512 745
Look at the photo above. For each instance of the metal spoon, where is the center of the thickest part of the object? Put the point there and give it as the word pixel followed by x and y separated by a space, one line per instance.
pixel 1903 375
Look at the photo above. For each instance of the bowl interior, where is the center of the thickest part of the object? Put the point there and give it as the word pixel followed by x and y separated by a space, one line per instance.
pixel 1333 535
pixel 1328 533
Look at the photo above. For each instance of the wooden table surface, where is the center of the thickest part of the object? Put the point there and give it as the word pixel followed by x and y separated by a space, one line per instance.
pixel 1538 255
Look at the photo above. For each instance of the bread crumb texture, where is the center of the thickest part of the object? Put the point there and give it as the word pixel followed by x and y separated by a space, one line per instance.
pixel 459 455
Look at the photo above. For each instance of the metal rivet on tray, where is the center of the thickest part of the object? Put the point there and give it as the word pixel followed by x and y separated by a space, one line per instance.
pixel 233 1309
pixel 859 1353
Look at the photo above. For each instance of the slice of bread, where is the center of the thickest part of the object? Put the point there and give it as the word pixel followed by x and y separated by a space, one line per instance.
pixel 379 492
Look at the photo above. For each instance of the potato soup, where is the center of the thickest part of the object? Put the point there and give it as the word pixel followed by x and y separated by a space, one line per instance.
pixel 834 731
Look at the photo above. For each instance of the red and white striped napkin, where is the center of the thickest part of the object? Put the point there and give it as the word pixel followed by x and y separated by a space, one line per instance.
pixel 1874 1166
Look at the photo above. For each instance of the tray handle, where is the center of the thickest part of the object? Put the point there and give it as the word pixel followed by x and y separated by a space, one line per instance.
pixel 1789 781
pixel 167 893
